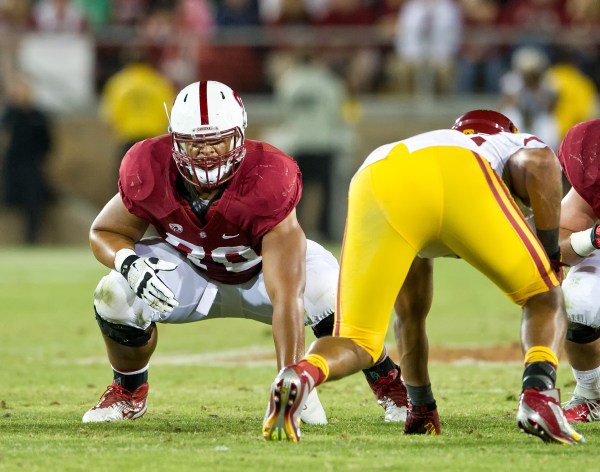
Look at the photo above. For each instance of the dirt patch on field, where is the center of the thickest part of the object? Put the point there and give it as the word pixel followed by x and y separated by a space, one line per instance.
pixel 255 356
pixel 503 353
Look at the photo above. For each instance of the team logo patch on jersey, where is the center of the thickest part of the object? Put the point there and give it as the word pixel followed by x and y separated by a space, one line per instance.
pixel 176 227
pixel 202 234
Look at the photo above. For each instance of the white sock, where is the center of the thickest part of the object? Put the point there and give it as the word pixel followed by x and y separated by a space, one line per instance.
pixel 588 383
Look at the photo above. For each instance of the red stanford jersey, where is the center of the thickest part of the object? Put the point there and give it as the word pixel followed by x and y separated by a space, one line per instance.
pixel 579 155
pixel 263 192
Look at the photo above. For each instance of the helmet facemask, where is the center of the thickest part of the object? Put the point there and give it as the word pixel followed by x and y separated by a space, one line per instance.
pixel 209 158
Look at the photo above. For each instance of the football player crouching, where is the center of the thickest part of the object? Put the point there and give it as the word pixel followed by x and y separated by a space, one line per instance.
pixel 229 245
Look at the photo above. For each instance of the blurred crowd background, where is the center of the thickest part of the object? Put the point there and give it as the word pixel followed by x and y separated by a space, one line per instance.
pixel 324 80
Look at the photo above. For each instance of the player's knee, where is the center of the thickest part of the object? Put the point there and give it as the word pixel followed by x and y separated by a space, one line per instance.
pixel 319 295
pixel 124 334
pixel 582 334
pixel 114 299
pixel 324 327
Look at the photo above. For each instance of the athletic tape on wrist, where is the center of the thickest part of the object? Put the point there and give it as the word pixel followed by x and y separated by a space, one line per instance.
pixel 120 257
pixel 582 242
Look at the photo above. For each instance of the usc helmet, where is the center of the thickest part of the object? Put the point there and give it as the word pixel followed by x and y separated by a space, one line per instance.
pixel 205 113
pixel 484 121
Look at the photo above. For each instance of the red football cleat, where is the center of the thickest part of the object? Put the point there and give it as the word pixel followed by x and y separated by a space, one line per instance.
pixel 117 404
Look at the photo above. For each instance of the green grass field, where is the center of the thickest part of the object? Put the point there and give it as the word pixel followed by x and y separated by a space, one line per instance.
pixel 209 388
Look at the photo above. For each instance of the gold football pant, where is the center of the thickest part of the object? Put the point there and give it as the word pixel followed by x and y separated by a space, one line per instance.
pixel 406 202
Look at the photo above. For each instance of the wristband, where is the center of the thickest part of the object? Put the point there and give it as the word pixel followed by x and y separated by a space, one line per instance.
pixel 549 240
pixel 585 242
pixel 120 257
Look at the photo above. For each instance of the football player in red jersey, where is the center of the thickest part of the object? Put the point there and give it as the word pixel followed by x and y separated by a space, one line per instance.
pixel 580 241
pixel 229 245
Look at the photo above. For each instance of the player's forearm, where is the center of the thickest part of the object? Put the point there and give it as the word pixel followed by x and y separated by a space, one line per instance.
pixel 288 334
pixel 543 184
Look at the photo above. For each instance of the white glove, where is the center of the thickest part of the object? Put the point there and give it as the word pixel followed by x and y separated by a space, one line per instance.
pixel 141 274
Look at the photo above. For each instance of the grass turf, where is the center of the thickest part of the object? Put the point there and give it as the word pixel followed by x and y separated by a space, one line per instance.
pixel 207 399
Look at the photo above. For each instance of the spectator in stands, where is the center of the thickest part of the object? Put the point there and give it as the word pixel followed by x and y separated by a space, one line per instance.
pixel 97 12
pixel 533 23
pixel 481 60
pixel 15 14
pixel 278 18
pixel 427 40
pixel 358 64
pixel 223 62
pixel 26 139
pixel 129 12
pixel 583 17
pixel 311 99
pixel 237 13
pixel 527 96
pixel 59 16
pixel 133 99
pixel 177 36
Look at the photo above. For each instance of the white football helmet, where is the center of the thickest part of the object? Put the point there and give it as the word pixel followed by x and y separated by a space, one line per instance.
pixel 203 114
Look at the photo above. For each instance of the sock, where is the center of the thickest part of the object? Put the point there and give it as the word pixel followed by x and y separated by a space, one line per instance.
pixel 541 354
pixel 380 370
pixel 131 380
pixel 588 383
pixel 539 376
pixel 316 367
pixel 420 396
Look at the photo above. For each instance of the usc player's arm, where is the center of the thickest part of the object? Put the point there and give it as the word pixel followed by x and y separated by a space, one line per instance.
pixel 115 228
pixel 536 178
pixel 284 270
pixel 576 215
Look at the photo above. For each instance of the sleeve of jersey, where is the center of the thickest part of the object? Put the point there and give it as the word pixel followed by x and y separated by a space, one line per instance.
pixel 135 181
pixel 528 141
pixel 276 194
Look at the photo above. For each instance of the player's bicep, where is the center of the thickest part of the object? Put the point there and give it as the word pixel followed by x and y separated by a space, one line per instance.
pixel 115 218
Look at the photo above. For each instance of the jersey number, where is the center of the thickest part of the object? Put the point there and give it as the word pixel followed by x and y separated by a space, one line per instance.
pixel 234 258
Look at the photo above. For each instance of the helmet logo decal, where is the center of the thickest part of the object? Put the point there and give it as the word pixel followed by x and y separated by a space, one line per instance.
pixel 203 103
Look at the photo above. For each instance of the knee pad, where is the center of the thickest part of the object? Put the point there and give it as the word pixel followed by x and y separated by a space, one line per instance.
pixel 324 327
pixel 123 334
pixel 115 300
pixel 581 334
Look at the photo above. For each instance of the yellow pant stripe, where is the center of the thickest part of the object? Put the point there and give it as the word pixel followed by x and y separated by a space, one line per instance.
pixel 516 217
